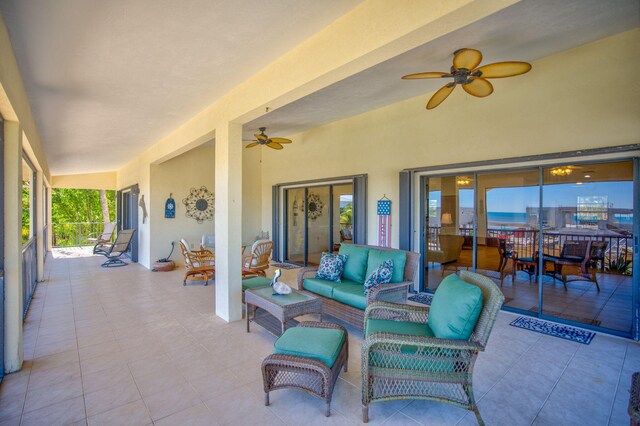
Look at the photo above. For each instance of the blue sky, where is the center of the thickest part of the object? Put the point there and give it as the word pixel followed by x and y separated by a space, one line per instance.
pixel 516 200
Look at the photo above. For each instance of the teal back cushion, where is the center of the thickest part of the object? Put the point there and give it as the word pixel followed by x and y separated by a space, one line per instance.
pixel 455 309
pixel 399 257
pixel 356 266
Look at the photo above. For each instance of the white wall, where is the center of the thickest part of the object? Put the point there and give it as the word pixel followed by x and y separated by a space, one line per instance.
pixel 569 101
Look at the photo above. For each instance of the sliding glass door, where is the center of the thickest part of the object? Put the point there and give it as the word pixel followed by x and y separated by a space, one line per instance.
pixel 318 219
pixel 559 240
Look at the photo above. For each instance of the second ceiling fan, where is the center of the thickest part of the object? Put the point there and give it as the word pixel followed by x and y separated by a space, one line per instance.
pixel 262 139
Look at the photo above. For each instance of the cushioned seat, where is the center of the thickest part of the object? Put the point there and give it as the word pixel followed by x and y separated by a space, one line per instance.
pixel 323 287
pixel 323 344
pixel 397 327
pixel 351 294
pixel 255 282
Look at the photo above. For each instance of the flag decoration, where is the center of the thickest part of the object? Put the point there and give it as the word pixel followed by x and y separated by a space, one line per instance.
pixel 384 222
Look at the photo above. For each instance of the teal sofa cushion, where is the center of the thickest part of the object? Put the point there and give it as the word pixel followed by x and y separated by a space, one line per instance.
pixel 399 257
pixel 322 344
pixel 350 294
pixel 355 267
pixel 255 282
pixel 319 286
pixel 455 309
pixel 397 327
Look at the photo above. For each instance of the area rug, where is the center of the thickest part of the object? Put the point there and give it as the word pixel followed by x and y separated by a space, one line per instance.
pixel 552 329
pixel 569 317
pixel 284 265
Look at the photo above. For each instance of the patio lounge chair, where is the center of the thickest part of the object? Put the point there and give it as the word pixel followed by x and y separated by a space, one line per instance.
pixel 575 254
pixel 104 236
pixel 415 352
pixel 197 263
pixel 116 250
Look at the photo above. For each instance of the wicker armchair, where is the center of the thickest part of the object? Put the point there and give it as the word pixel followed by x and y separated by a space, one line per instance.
pixel 402 366
pixel 256 263
pixel 198 263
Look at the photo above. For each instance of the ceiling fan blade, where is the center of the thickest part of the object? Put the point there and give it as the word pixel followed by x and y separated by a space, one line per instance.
pixel 280 140
pixel 274 145
pixel 251 145
pixel 467 58
pixel 260 137
pixel 440 95
pixel 478 87
pixel 426 75
pixel 503 69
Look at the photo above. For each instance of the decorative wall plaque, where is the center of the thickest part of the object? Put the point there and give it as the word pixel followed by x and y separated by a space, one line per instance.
pixel 200 204
pixel 170 207
pixel 314 206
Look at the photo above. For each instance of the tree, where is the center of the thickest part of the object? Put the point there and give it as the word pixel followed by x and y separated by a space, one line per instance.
pixel 104 203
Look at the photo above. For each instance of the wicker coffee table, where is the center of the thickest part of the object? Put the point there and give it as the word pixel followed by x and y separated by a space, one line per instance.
pixel 281 307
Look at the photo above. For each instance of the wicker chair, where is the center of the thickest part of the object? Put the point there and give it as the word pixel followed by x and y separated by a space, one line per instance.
pixel 198 263
pixel 435 369
pixel 256 263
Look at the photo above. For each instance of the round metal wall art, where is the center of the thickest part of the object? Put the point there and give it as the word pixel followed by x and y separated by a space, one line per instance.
pixel 314 206
pixel 200 204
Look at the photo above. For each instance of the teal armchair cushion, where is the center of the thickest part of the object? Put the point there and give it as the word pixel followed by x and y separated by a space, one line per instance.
pixel 255 282
pixel 455 309
pixel 399 257
pixel 350 294
pixel 355 268
pixel 322 344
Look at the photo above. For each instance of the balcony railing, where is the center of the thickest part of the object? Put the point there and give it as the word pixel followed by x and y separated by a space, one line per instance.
pixel 525 241
pixel 74 233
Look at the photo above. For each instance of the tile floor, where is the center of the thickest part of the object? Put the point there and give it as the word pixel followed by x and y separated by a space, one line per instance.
pixel 130 346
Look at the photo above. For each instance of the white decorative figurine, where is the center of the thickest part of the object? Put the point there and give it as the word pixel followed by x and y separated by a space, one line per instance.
pixel 277 286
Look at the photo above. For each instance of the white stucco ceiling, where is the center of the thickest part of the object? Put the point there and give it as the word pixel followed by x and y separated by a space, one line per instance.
pixel 526 31
pixel 106 79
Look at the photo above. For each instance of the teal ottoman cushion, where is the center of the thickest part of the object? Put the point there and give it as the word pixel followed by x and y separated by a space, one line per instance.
pixel 351 294
pixel 376 257
pixel 255 282
pixel 455 309
pixel 355 267
pixel 322 344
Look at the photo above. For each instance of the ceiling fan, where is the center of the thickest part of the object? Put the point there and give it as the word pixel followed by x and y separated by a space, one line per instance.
pixel 465 71
pixel 262 139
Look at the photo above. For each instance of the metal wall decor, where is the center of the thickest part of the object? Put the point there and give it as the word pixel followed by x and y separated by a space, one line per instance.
pixel 314 206
pixel 200 204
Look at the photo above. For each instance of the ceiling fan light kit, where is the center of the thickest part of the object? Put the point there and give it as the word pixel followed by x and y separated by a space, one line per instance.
pixel 262 139
pixel 466 72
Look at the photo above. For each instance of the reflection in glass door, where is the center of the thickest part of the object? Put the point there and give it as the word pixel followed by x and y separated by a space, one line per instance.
pixel 587 217
pixel 318 219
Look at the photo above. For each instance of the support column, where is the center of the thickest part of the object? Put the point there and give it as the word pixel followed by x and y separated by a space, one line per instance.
pixel 228 221
pixel 13 303
pixel 41 205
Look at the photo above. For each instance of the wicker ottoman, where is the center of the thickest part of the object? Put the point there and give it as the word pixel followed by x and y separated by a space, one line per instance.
pixel 302 358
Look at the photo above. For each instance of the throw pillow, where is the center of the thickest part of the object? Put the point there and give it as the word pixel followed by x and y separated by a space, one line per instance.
pixel 331 267
pixel 381 275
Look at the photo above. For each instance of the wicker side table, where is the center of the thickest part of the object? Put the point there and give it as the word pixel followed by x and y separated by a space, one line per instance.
pixel 634 400
pixel 310 375
pixel 282 307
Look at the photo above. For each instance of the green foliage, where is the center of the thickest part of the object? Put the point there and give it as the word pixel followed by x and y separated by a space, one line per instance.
pixel 26 211
pixel 80 205
pixel 620 265
pixel 76 213
pixel 346 214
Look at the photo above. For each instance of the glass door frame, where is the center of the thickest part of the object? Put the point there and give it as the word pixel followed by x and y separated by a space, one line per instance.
pixel 130 216
pixel 279 210
pixel 541 162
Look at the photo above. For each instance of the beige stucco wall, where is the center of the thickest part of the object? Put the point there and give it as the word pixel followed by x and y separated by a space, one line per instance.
pixel 107 180
pixel 569 101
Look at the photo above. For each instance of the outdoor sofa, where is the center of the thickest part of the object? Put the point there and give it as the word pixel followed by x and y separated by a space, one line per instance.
pixel 347 300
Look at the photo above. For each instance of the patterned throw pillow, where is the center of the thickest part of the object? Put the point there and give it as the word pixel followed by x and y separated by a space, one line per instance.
pixel 381 275
pixel 331 267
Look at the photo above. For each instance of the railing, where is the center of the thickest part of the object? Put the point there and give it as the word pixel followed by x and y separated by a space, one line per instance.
pixel 74 233
pixel 29 273
pixel 525 241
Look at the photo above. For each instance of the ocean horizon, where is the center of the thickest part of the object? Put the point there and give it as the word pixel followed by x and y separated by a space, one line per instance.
pixel 507 217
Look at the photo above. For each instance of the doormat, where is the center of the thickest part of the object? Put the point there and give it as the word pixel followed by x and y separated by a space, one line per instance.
pixel 285 266
pixel 552 329
pixel 569 317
